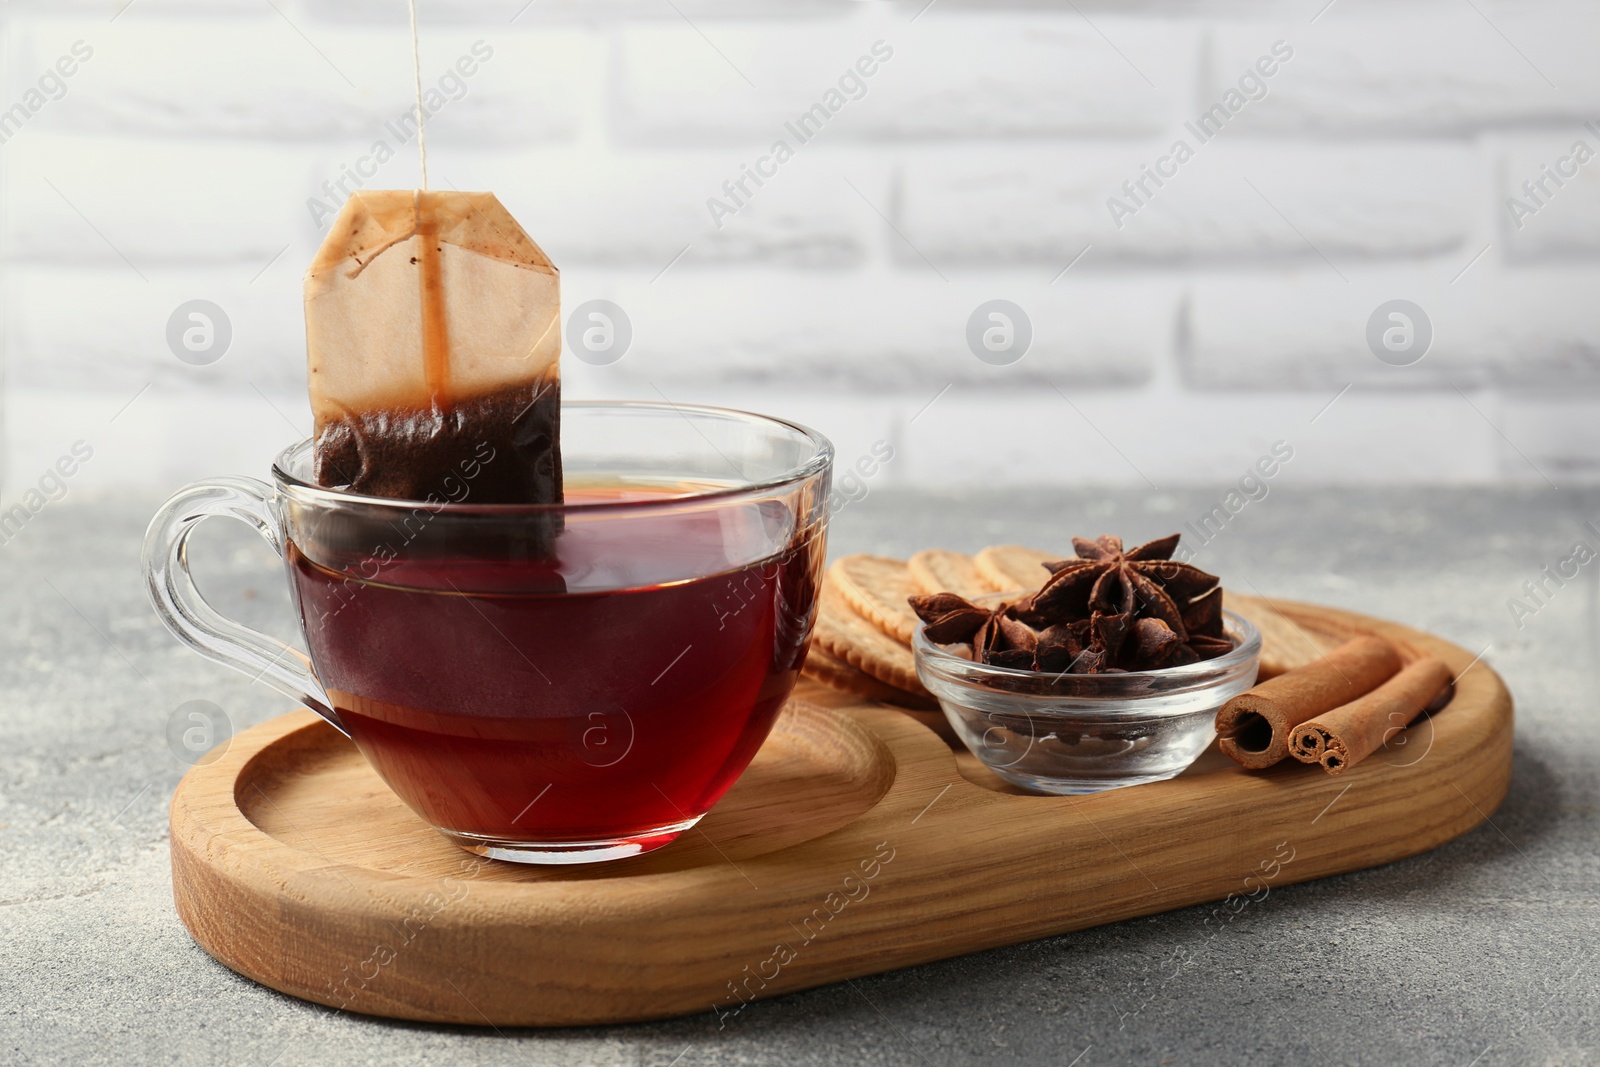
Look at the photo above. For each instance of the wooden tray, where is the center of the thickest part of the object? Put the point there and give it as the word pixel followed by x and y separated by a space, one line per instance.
pixel 857 842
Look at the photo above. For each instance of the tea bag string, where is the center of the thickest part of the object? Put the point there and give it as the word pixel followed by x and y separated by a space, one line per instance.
pixel 435 338
pixel 416 69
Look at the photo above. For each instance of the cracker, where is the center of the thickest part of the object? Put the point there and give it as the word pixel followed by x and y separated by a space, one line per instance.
pixel 1285 644
pixel 823 666
pixel 939 570
pixel 1009 567
pixel 860 643
pixel 878 589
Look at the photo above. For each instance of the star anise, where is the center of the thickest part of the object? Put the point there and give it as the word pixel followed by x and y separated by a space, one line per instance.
pixel 951 620
pixel 1106 611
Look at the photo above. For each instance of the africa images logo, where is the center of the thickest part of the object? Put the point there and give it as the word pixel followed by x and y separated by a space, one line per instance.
pixel 1251 87
pixel 852 85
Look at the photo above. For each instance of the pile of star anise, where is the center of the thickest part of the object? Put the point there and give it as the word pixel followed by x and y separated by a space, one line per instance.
pixel 1108 611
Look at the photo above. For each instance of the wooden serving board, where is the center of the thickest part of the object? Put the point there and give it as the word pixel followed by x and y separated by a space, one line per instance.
pixel 856 842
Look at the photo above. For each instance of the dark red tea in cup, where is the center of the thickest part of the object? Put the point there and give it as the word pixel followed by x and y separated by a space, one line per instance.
pixel 610 692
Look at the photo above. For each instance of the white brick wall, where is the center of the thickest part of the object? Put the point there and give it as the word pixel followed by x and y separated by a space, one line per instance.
pixel 1222 311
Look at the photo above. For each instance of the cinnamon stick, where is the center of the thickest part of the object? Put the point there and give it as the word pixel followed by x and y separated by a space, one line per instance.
pixel 1253 728
pixel 1343 737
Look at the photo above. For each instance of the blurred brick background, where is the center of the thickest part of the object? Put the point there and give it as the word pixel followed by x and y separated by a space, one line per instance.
pixel 1227 312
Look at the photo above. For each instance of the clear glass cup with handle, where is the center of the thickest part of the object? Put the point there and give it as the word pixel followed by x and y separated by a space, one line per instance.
pixel 541 683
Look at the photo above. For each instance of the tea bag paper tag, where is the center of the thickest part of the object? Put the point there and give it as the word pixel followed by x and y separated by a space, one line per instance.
pixel 417 299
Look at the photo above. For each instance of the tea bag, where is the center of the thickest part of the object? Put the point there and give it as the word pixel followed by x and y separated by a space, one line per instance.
pixel 433 337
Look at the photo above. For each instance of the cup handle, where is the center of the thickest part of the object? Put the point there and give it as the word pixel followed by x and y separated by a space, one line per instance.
pixel 196 623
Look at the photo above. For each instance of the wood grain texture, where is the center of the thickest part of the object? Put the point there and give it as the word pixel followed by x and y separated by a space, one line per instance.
pixel 857 842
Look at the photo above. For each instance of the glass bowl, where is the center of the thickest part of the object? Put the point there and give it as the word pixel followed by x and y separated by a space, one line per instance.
pixel 1082 733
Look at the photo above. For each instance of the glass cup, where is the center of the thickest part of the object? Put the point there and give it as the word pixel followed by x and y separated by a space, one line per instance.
pixel 541 683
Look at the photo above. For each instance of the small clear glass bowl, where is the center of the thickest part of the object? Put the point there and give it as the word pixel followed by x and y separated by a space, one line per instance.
pixel 1082 733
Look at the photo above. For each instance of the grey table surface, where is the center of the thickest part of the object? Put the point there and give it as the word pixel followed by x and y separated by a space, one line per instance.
pixel 1480 952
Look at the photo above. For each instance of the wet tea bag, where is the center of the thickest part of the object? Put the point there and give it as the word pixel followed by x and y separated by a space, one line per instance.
pixel 433 337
